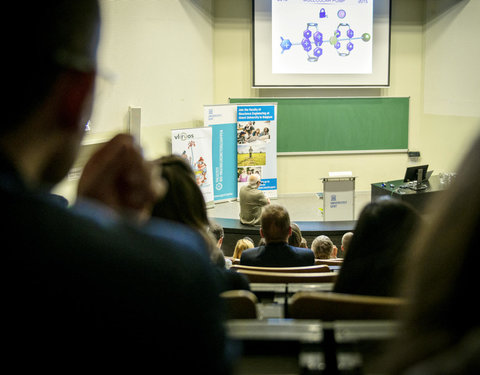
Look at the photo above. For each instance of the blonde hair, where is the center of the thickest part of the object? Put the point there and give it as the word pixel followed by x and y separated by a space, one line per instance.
pixel 322 247
pixel 242 244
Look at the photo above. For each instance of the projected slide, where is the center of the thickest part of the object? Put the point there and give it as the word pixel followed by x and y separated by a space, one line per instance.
pixel 322 36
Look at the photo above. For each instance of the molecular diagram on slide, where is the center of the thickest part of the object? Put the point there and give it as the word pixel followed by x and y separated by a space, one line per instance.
pixel 314 41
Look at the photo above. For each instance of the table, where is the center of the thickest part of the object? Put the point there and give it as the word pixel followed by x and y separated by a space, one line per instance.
pixel 295 346
pixel 420 199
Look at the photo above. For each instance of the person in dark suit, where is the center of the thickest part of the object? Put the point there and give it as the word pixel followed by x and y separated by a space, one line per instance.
pixel 276 229
pixel 86 288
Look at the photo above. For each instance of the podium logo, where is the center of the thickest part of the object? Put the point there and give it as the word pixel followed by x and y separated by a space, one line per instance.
pixel 184 136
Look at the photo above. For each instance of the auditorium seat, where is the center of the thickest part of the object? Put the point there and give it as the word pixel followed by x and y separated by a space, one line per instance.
pixel 337 306
pixel 240 304
pixel 306 269
pixel 288 277
pixel 329 262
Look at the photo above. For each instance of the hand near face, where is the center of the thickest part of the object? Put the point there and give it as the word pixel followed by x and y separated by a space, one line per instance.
pixel 118 176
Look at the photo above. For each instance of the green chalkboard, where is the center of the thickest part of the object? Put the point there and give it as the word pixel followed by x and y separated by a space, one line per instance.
pixel 311 125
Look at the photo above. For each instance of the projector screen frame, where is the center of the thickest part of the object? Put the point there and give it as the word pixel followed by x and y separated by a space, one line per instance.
pixel 380 78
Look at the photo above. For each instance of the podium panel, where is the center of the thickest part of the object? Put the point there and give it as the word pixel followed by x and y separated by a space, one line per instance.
pixel 338 199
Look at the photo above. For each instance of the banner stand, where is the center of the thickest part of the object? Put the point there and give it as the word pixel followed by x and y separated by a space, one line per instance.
pixel 222 119
pixel 257 145
pixel 195 146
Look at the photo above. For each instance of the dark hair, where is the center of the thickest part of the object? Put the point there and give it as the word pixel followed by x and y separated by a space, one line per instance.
pixel 217 230
pixel 375 258
pixel 184 201
pixel 296 238
pixel 42 38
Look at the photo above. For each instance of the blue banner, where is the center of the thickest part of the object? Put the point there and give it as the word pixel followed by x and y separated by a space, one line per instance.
pixel 257 145
pixel 222 120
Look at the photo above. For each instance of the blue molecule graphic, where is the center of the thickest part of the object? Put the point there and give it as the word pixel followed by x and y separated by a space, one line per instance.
pixel 286 44
pixel 306 44
pixel 307 33
pixel 318 52
pixel 341 13
pixel 318 38
pixel 350 46
pixel 350 33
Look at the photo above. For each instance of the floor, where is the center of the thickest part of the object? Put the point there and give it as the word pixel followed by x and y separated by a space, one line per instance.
pixel 301 207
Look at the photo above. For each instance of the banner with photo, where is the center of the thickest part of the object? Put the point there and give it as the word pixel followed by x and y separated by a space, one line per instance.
pixel 222 119
pixel 257 145
pixel 195 145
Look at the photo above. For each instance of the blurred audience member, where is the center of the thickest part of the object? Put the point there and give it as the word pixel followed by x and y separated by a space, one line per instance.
pixel 87 289
pixel 346 239
pixel 376 254
pixel 440 330
pixel 184 203
pixel 296 238
pixel 217 232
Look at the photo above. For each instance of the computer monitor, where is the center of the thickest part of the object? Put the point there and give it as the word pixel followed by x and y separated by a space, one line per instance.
pixel 411 174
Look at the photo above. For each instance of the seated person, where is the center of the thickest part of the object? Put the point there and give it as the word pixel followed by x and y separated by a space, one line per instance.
pixel 185 204
pixel 376 255
pixel 275 229
pixel 323 248
pixel 251 201
pixel 346 239
pixel 440 332
pixel 242 244
pixel 296 238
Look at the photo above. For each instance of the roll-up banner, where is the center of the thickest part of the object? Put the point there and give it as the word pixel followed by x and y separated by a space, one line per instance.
pixel 222 119
pixel 257 145
pixel 195 145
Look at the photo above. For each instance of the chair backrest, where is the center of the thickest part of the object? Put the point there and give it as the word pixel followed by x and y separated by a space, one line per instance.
pixel 337 306
pixel 306 269
pixel 329 262
pixel 288 277
pixel 240 304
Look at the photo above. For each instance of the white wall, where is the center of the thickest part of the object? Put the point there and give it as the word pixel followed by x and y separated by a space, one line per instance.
pixel 452 84
pixel 159 54
pixel 451 118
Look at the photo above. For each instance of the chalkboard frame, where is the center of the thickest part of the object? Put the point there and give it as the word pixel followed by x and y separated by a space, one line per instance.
pixel 348 125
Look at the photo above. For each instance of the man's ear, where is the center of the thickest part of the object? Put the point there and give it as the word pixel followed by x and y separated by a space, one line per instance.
pixel 261 233
pixel 76 99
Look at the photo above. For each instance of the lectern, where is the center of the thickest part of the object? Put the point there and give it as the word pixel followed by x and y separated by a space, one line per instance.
pixel 338 197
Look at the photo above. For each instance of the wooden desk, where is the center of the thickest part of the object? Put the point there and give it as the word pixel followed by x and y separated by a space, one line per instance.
pixel 419 199
pixel 289 346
